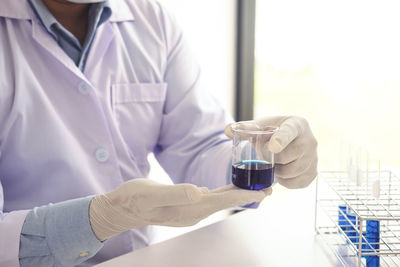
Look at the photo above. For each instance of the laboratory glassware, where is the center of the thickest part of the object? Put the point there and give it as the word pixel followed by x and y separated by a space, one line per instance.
pixel 252 161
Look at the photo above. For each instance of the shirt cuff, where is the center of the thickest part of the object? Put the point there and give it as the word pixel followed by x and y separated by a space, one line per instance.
pixel 58 235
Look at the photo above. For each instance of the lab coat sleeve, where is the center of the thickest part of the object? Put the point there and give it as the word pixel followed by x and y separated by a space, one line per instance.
pixel 58 235
pixel 53 233
pixel 10 229
pixel 192 146
pixel 10 221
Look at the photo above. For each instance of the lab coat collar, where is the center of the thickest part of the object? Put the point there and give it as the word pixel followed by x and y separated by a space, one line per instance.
pixel 16 9
pixel 121 11
pixel 20 9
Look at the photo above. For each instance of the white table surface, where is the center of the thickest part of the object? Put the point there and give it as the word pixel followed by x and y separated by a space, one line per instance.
pixel 279 233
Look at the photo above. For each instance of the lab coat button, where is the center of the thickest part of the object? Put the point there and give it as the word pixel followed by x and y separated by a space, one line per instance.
pixel 101 155
pixel 83 88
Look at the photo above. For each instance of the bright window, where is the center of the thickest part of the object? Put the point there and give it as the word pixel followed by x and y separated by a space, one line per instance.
pixel 337 63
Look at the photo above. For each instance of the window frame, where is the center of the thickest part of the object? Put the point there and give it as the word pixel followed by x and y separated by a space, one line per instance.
pixel 244 100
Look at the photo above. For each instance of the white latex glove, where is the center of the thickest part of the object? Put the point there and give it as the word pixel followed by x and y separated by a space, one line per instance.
pixel 141 202
pixel 295 149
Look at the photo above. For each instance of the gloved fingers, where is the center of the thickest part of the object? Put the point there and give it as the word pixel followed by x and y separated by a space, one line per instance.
pixel 244 126
pixel 233 197
pixel 186 215
pixel 297 149
pixel 301 181
pixel 223 188
pixel 302 145
pixel 231 187
pixel 228 129
pixel 272 120
pixel 173 195
pixel 296 167
pixel 204 190
pixel 287 132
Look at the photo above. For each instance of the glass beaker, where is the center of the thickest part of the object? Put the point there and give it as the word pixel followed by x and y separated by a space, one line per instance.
pixel 252 162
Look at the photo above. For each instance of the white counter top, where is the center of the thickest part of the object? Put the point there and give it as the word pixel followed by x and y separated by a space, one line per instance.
pixel 279 233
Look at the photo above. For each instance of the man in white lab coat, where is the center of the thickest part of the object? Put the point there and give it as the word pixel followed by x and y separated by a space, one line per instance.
pixel 87 91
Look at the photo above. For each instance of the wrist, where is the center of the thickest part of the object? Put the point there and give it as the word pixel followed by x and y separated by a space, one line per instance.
pixel 106 220
pixel 98 218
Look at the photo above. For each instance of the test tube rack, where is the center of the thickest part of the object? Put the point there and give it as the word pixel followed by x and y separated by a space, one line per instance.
pixel 361 230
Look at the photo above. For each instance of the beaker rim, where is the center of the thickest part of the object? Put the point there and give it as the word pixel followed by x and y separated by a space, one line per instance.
pixel 253 128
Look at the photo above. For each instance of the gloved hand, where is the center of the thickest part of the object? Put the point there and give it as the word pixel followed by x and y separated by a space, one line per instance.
pixel 141 202
pixel 295 150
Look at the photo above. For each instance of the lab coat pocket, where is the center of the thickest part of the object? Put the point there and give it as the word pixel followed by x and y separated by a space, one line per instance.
pixel 138 109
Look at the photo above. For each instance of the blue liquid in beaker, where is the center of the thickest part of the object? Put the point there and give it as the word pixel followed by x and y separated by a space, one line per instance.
pixel 252 174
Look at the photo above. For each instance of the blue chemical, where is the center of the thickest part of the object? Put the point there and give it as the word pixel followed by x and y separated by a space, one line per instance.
pixel 347 222
pixel 252 174
pixel 372 236
pixel 352 231
pixel 342 215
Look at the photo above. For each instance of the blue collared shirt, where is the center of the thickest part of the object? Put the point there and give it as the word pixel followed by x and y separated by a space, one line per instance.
pixel 98 13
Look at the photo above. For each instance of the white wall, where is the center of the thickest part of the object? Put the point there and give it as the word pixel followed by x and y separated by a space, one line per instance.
pixel 210 29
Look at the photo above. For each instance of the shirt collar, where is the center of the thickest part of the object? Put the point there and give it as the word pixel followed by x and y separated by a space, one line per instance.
pixel 104 9
pixel 43 13
pixel 98 13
